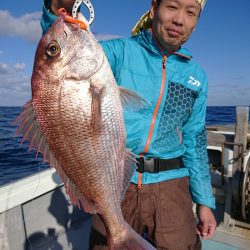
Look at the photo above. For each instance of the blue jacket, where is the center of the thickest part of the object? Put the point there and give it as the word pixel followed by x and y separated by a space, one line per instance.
pixel 179 125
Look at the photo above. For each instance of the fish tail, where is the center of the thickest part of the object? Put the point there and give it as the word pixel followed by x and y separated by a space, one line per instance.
pixel 130 241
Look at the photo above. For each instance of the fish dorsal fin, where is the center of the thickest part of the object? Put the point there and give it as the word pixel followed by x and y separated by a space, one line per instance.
pixel 96 113
pixel 131 100
pixel 32 132
pixel 129 170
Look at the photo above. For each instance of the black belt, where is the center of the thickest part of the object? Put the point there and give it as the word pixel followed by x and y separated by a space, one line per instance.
pixel 156 165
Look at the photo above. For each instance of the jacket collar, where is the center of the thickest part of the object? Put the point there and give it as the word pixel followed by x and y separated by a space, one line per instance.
pixel 147 40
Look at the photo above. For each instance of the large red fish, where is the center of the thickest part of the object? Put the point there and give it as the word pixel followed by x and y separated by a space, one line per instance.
pixel 75 119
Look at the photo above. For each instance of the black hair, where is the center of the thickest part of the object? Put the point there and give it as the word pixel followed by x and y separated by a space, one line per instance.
pixel 158 2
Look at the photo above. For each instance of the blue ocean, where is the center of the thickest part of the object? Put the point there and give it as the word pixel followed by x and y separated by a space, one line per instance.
pixel 16 162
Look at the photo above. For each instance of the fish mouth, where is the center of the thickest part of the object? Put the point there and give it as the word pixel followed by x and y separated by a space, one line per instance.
pixel 70 29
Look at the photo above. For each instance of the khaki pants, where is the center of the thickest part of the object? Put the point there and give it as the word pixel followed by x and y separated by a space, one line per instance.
pixel 161 213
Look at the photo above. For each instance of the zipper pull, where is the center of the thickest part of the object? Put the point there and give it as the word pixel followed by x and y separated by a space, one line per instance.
pixel 164 59
pixel 139 185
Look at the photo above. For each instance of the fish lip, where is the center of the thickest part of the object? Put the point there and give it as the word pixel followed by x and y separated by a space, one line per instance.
pixel 70 28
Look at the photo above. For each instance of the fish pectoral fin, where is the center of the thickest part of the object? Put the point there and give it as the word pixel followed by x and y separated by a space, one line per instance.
pixel 96 93
pixel 131 100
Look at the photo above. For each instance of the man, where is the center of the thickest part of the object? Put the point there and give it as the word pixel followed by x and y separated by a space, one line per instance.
pixel 169 137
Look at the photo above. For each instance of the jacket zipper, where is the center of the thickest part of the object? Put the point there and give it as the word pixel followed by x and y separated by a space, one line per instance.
pixel 151 130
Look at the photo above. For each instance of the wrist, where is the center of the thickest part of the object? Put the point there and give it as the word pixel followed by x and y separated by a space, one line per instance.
pixel 201 207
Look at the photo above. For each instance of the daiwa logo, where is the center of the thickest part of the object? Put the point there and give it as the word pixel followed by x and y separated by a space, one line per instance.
pixel 194 81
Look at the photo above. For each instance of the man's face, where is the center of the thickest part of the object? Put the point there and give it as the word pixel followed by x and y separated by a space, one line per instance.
pixel 174 21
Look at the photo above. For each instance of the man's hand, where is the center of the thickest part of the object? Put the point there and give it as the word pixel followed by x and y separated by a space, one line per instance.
pixel 57 4
pixel 207 222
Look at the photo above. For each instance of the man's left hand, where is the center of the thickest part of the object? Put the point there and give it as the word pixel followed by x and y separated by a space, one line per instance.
pixel 207 223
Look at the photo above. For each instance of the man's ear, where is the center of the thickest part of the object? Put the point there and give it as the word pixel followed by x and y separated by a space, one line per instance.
pixel 153 9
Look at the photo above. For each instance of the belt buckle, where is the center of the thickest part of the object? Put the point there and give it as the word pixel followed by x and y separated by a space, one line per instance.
pixel 141 168
pixel 140 165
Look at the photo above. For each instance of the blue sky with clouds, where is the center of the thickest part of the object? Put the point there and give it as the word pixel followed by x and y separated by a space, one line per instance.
pixel 221 43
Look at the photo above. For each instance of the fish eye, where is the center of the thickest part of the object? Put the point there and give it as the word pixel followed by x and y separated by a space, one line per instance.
pixel 53 49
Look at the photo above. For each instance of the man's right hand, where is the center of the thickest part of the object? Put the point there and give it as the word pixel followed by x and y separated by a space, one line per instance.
pixel 57 4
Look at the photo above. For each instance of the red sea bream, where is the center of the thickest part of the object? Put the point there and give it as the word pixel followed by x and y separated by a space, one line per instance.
pixel 75 120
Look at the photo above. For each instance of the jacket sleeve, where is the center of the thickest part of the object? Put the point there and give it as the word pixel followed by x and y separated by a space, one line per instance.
pixel 195 157
pixel 47 17
pixel 114 51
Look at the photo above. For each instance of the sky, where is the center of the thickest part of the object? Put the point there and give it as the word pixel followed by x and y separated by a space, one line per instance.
pixel 220 43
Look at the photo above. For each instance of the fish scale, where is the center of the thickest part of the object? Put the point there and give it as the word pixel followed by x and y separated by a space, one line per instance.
pixel 88 147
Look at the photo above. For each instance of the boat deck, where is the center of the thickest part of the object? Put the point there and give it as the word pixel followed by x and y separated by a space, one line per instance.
pixel 35 213
pixel 50 222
